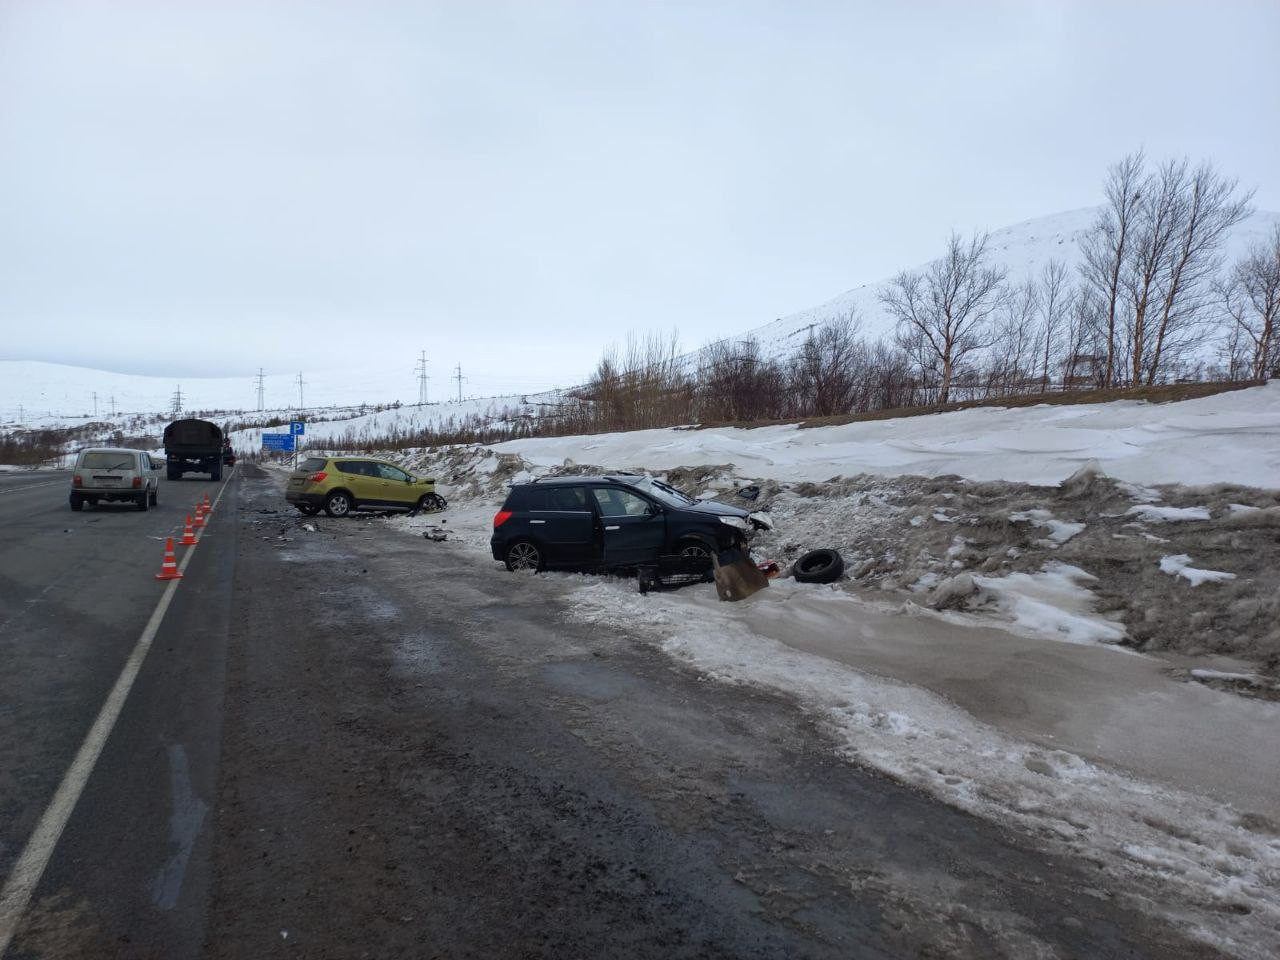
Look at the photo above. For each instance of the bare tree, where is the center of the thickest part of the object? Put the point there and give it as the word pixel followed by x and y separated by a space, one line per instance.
pixel 736 382
pixel 1209 208
pixel 1013 341
pixel 1183 217
pixel 1251 296
pixel 1054 304
pixel 1106 248
pixel 826 371
pixel 945 309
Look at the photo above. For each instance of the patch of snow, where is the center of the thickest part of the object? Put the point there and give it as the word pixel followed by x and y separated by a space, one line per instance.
pixel 1060 531
pixel 1052 604
pixel 1154 514
pixel 1179 565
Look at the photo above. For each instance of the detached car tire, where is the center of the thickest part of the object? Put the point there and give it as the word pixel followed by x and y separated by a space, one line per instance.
pixel 819 566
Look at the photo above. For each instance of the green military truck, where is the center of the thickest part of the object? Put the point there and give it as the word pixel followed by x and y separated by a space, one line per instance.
pixel 193 446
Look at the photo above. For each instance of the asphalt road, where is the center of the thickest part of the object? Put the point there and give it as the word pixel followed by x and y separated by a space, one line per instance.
pixel 348 742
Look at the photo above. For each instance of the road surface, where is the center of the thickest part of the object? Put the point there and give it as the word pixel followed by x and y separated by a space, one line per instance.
pixel 349 742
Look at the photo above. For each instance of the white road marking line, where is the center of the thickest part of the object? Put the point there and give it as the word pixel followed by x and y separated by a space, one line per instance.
pixel 18 889
pixel 31 486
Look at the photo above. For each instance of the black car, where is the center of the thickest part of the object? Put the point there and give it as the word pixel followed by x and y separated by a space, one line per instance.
pixel 612 522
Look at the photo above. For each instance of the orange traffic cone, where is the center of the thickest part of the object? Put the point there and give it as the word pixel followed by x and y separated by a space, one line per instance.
pixel 169 568
pixel 199 514
pixel 188 535
pixel 208 507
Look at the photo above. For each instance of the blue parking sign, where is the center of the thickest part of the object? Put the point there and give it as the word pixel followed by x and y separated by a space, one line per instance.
pixel 297 427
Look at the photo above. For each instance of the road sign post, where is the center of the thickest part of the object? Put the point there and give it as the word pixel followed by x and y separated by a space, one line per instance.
pixel 296 429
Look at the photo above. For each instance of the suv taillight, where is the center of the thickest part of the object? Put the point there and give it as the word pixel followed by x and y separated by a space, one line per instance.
pixel 76 481
pixel 137 482
pixel 317 477
pixel 501 517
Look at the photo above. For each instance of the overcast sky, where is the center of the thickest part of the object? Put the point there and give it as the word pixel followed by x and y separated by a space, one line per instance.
pixel 209 187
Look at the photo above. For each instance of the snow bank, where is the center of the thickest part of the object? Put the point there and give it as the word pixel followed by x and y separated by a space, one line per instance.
pixel 1226 438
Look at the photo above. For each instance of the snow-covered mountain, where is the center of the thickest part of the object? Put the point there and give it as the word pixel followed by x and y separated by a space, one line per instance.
pixel 47 394
pixel 1022 249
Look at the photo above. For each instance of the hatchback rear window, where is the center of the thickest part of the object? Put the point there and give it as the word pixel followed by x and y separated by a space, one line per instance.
pixel 108 461
pixel 312 464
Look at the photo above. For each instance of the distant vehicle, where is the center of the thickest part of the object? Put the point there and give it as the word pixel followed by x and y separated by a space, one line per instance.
pixel 193 446
pixel 339 485
pixel 228 454
pixel 115 474
pixel 612 522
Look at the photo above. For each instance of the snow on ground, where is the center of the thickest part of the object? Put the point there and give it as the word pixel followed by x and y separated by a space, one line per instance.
pixel 1180 851
pixel 1229 437
pixel 1016 650
pixel 1053 603
pixel 1179 565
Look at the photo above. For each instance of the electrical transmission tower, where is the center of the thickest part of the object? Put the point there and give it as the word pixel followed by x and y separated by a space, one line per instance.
pixel 301 384
pixel 260 389
pixel 95 404
pixel 177 401
pixel 113 405
pixel 421 371
pixel 457 375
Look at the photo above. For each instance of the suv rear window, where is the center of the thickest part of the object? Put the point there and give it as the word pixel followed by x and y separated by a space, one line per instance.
pixel 108 461
pixel 312 464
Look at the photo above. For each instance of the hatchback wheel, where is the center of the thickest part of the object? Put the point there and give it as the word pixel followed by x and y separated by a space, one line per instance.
pixel 338 505
pixel 524 555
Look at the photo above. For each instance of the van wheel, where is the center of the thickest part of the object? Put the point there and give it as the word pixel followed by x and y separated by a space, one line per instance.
pixel 338 505
pixel 77 502
pixel 524 555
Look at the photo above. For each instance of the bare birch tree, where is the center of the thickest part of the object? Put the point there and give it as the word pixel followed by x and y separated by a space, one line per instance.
pixel 1208 209
pixel 1106 249
pixel 1251 296
pixel 1183 217
pixel 946 308
pixel 1054 304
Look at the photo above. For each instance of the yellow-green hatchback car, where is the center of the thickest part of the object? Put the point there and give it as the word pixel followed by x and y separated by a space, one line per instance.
pixel 338 485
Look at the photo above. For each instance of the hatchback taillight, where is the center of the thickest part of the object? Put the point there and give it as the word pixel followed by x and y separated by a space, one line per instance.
pixel 317 477
pixel 137 482
pixel 76 481
pixel 501 517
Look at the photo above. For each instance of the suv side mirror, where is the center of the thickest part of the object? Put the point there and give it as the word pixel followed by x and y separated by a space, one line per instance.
pixel 653 510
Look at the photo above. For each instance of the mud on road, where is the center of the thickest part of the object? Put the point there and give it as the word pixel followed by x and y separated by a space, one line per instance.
pixel 424 758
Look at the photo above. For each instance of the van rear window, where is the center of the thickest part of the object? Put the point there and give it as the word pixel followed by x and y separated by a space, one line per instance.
pixel 108 461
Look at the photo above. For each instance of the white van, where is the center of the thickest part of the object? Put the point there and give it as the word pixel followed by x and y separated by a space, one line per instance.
pixel 116 473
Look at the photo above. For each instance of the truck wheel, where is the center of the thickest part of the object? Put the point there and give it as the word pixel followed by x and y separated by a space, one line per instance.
pixel 216 473
pixel 339 504
pixel 174 472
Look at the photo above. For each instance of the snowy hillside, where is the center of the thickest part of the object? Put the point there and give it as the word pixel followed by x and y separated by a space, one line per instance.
pixel 49 394
pixel 45 394
pixel 1022 249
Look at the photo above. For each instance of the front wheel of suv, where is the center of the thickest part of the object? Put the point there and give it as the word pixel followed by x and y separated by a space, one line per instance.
pixel 695 556
pixel 524 555
pixel 338 505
